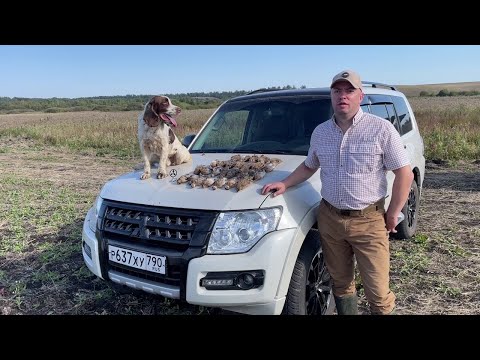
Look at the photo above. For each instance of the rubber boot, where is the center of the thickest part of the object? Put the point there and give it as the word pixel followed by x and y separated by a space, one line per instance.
pixel 347 305
pixel 393 312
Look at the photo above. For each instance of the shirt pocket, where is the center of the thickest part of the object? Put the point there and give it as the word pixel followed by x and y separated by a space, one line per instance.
pixel 364 158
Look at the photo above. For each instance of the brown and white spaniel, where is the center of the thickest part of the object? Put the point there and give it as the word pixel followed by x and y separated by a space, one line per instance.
pixel 157 140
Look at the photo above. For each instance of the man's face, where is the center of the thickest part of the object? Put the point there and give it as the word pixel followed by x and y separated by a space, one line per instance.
pixel 345 98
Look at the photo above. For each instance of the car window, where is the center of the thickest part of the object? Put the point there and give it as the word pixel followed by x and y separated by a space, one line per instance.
pixel 403 114
pixel 385 111
pixel 392 116
pixel 379 110
pixel 227 130
pixel 267 125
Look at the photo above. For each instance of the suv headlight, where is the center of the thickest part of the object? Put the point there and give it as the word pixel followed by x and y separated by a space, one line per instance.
pixel 238 232
pixel 93 219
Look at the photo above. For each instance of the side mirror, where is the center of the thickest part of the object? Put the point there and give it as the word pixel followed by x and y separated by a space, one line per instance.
pixel 187 140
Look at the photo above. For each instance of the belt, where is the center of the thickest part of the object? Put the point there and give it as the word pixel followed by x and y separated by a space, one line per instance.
pixel 379 205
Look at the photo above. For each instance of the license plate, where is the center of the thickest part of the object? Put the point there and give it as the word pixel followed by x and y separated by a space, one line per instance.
pixel 138 260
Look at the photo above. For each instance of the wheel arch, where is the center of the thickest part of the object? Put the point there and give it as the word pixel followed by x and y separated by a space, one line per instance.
pixel 309 222
pixel 418 178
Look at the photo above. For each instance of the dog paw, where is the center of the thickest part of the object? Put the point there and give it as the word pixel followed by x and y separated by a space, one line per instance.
pixel 161 175
pixel 145 176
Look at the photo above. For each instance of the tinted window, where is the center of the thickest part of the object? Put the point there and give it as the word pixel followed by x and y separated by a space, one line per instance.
pixel 393 116
pixel 379 110
pixel 385 111
pixel 365 108
pixel 403 114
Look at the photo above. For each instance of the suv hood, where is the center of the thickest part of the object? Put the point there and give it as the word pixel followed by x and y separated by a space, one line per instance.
pixel 166 192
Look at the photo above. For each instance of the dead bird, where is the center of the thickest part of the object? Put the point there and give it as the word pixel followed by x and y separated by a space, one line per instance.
pixel 230 183
pixel 258 175
pixel 182 179
pixel 243 183
pixel 208 182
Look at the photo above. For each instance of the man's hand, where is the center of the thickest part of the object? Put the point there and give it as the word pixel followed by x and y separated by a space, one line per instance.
pixel 300 174
pixel 278 188
pixel 400 191
pixel 391 221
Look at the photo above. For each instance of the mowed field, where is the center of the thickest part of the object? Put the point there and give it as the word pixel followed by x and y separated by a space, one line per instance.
pixel 52 166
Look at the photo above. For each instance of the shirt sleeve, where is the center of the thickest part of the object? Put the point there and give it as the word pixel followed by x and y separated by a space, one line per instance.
pixel 395 154
pixel 312 159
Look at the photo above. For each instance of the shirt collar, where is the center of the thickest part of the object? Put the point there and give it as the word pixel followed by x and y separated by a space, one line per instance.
pixel 357 117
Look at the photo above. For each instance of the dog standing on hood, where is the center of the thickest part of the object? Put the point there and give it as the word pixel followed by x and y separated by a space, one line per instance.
pixel 157 140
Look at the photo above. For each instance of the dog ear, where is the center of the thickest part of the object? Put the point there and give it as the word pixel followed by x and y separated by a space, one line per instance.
pixel 154 104
pixel 171 136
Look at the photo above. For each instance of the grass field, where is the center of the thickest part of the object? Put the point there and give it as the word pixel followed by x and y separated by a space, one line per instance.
pixel 450 127
pixel 52 167
pixel 414 90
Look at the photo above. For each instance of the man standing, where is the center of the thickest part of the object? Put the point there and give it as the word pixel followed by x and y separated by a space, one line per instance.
pixel 354 150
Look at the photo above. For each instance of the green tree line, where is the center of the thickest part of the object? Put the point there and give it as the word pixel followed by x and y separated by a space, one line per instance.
pixel 187 101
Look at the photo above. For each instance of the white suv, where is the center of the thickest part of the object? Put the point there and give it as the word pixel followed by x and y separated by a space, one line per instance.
pixel 237 250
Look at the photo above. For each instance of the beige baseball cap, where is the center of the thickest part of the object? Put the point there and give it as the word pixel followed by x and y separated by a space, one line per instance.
pixel 348 75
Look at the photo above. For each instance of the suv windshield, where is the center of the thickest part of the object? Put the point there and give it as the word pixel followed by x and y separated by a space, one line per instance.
pixel 269 125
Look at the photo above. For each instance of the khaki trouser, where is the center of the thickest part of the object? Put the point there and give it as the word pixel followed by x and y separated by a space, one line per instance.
pixel 366 238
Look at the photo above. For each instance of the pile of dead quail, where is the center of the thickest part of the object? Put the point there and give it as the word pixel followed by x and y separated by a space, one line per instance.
pixel 236 173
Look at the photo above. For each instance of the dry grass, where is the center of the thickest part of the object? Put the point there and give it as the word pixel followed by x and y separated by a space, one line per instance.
pixel 414 90
pixel 98 132
pixel 439 104
pixel 450 127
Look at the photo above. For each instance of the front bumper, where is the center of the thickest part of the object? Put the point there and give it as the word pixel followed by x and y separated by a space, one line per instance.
pixel 91 257
pixel 269 255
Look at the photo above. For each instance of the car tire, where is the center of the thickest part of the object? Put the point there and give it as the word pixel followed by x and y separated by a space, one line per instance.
pixel 407 228
pixel 310 289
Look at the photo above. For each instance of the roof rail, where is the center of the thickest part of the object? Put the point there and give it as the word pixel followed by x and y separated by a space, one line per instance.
pixel 376 84
pixel 261 90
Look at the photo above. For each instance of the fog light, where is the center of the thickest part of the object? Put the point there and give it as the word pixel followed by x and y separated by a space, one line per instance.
pixel 87 249
pixel 233 280
pixel 246 281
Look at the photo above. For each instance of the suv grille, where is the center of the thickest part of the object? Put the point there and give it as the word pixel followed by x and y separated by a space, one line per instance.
pixel 178 234
pixel 158 227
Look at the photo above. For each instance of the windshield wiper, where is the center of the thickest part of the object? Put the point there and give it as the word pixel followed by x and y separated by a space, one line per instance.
pixel 277 151
pixel 209 151
pixel 265 151
pixel 240 151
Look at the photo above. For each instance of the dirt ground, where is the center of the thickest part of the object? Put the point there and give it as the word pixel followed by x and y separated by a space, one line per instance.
pixel 438 272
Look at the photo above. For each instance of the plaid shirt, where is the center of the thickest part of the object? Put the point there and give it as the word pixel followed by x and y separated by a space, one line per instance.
pixel 354 165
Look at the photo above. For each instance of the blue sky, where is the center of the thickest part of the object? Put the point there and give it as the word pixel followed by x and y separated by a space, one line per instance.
pixel 71 71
